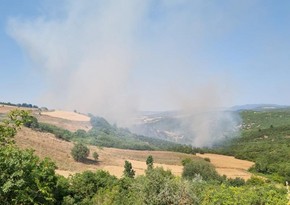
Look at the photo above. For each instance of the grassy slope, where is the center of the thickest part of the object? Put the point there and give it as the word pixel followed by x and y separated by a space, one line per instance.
pixel 111 159
pixel 265 140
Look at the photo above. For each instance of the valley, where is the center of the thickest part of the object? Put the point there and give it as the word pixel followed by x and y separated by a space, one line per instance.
pixel 112 159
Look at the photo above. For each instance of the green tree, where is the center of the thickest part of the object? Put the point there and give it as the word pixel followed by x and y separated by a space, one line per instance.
pixel 9 126
pixel 84 186
pixel 80 152
pixel 95 156
pixel 24 178
pixel 149 162
pixel 128 170
pixel 200 167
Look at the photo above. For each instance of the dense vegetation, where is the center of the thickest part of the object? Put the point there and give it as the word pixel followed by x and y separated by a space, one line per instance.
pixel 265 139
pixel 107 135
pixel 25 179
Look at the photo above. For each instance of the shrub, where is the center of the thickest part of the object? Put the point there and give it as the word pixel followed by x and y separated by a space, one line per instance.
pixel 205 169
pixel 80 152
pixel 95 156
pixel 128 170
pixel 236 182
pixel 207 159
pixel 149 162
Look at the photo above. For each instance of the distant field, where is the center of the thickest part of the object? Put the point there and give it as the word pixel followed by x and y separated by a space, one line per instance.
pixel 4 109
pixel 64 123
pixel 67 115
pixel 229 166
pixel 64 119
pixel 110 159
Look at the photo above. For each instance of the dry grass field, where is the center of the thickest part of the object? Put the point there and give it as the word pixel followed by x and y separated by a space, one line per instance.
pixel 64 123
pixel 64 119
pixel 229 166
pixel 67 115
pixel 112 159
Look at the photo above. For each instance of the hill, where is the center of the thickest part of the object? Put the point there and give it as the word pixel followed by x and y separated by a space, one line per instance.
pixel 265 140
pixel 26 179
pixel 203 128
pixel 112 159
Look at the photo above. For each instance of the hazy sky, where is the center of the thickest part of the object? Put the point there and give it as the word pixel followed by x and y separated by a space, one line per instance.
pixel 144 54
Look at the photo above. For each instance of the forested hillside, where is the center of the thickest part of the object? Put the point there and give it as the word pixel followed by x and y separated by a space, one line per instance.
pixel 265 139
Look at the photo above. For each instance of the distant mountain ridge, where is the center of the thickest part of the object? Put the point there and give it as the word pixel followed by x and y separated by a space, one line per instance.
pixel 258 107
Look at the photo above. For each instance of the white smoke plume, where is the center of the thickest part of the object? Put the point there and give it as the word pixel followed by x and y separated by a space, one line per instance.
pixel 112 58
pixel 86 54
pixel 208 124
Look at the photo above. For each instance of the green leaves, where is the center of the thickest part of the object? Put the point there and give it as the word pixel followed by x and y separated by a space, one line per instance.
pixel 80 152
pixel 24 178
pixel 8 127
pixel 128 170
pixel 193 168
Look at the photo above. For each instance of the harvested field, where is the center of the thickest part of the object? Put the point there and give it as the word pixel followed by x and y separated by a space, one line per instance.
pixel 64 123
pixel 229 166
pixel 110 159
pixel 67 115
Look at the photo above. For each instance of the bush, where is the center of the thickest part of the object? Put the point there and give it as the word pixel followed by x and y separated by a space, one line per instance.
pixel 128 170
pixel 236 182
pixel 203 168
pixel 95 156
pixel 85 185
pixel 207 159
pixel 80 152
pixel 149 162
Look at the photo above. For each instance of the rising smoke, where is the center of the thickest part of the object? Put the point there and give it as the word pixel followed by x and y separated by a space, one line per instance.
pixel 112 58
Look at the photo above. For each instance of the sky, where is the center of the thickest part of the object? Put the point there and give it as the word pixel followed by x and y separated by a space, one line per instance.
pixel 113 57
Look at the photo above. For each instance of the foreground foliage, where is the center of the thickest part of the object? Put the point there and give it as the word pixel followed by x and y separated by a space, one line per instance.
pixel 24 178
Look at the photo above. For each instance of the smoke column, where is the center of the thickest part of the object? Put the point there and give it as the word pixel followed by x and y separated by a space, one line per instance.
pixel 112 58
